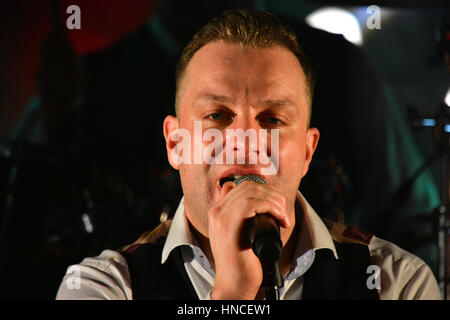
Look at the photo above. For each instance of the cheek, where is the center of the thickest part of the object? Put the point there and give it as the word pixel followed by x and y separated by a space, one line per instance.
pixel 196 182
pixel 196 196
pixel 292 156
pixel 292 162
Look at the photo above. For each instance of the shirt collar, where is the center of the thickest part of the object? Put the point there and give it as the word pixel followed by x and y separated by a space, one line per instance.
pixel 313 234
pixel 179 233
pixel 315 228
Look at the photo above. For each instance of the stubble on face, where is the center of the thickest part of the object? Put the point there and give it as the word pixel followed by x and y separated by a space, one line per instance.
pixel 246 76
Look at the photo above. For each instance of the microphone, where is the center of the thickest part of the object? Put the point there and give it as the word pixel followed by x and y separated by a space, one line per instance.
pixel 264 236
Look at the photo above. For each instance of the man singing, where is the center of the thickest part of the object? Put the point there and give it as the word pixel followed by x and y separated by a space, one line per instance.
pixel 246 71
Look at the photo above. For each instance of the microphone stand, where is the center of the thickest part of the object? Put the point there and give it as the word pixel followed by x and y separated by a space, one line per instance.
pixel 443 136
pixel 441 125
pixel 272 280
pixel 266 244
pixel 267 247
pixel 441 132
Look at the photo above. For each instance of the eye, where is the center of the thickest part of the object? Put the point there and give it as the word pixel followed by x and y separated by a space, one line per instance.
pixel 220 116
pixel 216 116
pixel 270 121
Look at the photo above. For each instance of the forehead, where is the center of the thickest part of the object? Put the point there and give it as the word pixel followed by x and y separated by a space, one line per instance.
pixel 221 66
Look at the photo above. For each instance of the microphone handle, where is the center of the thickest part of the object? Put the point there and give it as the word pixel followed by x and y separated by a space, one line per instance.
pixel 264 236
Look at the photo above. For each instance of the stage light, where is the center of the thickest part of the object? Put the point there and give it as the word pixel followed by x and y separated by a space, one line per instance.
pixel 427 122
pixel 447 128
pixel 447 98
pixel 338 21
pixel 89 228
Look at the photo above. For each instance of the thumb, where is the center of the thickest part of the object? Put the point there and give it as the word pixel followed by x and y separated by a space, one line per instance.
pixel 227 187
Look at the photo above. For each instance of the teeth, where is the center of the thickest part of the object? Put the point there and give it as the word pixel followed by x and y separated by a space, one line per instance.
pixel 236 177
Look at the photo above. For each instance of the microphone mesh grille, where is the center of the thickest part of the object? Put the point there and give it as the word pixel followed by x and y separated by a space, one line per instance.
pixel 250 177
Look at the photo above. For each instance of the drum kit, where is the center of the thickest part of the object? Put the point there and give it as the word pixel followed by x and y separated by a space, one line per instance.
pixel 57 208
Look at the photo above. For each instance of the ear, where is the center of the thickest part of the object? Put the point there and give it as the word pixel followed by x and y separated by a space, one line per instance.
pixel 170 125
pixel 312 138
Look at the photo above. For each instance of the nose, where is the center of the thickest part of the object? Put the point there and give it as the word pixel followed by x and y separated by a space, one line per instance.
pixel 243 141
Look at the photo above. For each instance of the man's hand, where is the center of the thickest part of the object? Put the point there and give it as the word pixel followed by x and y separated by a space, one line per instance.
pixel 238 270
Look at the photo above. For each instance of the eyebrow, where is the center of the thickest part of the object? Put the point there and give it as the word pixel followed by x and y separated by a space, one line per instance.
pixel 225 99
pixel 279 103
pixel 215 98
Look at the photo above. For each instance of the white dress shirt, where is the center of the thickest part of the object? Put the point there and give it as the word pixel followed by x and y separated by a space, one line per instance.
pixel 403 275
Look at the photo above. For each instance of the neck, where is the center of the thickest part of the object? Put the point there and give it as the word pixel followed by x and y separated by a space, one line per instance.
pixel 204 245
pixel 287 253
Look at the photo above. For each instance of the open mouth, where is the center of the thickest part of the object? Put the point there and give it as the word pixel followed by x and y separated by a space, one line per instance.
pixel 237 173
pixel 229 178
pixel 238 179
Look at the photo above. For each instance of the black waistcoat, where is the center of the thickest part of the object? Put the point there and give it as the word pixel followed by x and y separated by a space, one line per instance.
pixel 328 277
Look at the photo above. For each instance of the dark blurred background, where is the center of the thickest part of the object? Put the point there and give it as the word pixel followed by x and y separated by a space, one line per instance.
pixel 83 165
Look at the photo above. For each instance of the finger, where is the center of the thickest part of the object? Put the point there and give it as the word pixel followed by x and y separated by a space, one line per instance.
pixel 227 187
pixel 265 192
pixel 261 206
pixel 250 192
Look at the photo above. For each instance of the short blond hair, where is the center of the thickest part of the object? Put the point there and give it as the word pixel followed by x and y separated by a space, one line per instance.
pixel 249 28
